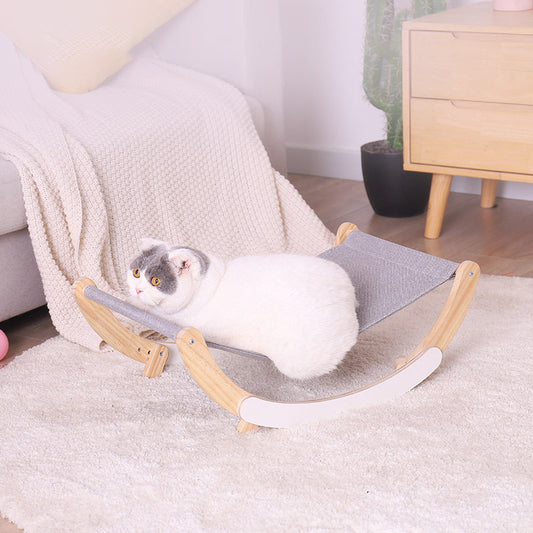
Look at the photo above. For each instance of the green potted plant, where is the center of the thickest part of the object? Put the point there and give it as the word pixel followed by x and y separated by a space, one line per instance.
pixel 391 190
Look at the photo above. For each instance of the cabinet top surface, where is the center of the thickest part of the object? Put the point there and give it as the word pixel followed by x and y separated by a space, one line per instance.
pixel 479 17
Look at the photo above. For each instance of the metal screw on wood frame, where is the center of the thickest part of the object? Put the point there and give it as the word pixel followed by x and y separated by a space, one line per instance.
pixel 191 341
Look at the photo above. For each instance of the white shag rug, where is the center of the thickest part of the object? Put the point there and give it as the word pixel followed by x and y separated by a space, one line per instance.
pixel 89 445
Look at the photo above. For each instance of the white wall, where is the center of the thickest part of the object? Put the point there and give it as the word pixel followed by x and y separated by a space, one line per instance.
pixel 327 117
pixel 238 41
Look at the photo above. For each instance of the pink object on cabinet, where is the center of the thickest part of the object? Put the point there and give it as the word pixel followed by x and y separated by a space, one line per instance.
pixel 513 5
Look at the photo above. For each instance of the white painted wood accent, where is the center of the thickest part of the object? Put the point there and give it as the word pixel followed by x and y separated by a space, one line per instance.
pixel 286 414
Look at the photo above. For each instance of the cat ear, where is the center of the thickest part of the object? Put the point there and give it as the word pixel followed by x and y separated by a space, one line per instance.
pixel 185 260
pixel 146 243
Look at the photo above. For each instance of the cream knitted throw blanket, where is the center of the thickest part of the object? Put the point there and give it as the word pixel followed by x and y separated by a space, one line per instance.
pixel 157 151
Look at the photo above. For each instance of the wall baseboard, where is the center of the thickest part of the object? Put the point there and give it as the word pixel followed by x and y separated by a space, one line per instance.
pixel 346 164
pixel 329 162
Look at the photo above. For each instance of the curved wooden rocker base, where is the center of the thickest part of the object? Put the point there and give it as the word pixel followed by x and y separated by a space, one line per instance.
pixel 255 411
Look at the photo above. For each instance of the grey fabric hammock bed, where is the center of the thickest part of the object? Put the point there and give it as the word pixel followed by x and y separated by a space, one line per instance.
pixel 386 278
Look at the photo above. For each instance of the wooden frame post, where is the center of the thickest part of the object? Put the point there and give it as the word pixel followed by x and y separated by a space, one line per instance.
pixel 205 371
pixel 453 313
pixel 342 233
pixel 438 198
pixel 153 355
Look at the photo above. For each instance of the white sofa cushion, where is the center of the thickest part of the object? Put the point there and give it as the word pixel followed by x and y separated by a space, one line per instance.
pixel 12 214
pixel 77 44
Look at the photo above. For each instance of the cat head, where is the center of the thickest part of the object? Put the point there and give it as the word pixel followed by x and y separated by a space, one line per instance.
pixel 166 276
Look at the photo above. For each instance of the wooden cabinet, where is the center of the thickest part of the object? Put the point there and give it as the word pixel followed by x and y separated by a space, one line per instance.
pixel 468 100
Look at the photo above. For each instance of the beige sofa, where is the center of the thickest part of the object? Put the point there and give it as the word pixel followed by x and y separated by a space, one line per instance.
pixel 250 60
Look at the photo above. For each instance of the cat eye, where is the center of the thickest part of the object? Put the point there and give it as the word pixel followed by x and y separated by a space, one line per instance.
pixel 136 273
pixel 156 282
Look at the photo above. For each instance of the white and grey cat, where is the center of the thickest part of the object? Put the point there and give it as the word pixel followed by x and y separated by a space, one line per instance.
pixel 298 310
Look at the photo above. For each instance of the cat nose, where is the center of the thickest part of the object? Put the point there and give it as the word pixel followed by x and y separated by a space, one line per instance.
pixel 138 291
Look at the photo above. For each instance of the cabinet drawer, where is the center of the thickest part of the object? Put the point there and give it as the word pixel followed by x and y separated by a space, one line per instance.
pixel 488 67
pixel 472 135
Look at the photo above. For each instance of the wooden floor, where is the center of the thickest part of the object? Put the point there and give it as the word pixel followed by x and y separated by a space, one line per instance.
pixel 500 240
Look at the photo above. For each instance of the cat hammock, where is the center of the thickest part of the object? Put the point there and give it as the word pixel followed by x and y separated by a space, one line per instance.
pixel 386 277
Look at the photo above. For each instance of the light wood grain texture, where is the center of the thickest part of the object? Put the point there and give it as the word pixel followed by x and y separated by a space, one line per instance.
pixel 344 230
pixel 469 173
pixel 473 136
pixel 112 331
pixel 462 66
pixel 453 313
pixel 206 372
pixel 480 18
pixel 468 105
pixel 244 427
pixel 438 199
pixel 406 96
pixel 489 188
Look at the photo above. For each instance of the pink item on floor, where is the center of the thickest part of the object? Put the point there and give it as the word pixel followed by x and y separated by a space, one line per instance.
pixel 4 344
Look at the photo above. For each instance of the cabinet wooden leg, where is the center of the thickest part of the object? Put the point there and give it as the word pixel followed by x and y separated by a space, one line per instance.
pixel 488 192
pixel 438 198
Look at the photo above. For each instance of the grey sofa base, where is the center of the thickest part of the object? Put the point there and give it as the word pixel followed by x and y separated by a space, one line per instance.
pixel 21 288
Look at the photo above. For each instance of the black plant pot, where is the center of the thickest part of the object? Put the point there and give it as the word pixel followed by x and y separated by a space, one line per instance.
pixel 391 190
